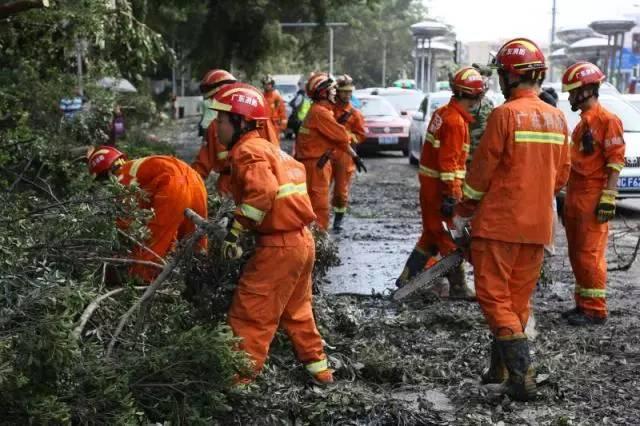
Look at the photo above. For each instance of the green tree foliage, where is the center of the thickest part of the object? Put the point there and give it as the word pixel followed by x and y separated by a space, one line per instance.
pixel 57 227
pixel 376 30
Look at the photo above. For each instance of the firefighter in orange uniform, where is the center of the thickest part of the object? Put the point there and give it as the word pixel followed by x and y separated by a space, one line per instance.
pixel 213 155
pixel 597 157
pixel 521 162
pixel 276 104
pixel 342 164
pixel 442 170
pixel 270 191
pixel 171 186
pixel 318 137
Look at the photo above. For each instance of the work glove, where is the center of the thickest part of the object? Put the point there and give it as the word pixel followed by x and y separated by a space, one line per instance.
pixel 324 159
pixel 447 206
pixel 606 209
pixel 359 164
pixel 231 250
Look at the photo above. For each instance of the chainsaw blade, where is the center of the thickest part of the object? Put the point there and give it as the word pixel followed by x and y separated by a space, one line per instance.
pixel 424 279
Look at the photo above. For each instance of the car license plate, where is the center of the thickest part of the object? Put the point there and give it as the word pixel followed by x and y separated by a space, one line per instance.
pixel 629 182
pixel 388 140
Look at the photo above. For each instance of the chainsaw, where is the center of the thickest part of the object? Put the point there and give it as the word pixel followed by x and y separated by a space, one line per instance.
pixel 426 279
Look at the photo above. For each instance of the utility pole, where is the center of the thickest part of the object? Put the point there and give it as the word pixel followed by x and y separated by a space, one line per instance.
pixel 384 61
pixel 330 25
pixel 553 37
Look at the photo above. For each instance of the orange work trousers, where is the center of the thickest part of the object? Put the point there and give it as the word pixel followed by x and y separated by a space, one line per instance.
pixel 505 277
pixel 275 289
pixel 343 169
pixel 434 240
pixel 318 185
pixel 169 223
pixel 587 239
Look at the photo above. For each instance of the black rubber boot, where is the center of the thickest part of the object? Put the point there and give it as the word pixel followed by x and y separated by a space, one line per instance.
pixel 414 265
pixel 570 312
pixel 337 221
pixel 497 371
pixel 521 384
pixel 458 289
pixel 581 319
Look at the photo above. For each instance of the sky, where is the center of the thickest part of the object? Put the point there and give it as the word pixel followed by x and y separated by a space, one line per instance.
pixel 484 20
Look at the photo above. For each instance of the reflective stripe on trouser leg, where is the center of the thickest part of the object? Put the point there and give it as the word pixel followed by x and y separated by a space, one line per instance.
pixel 342 174
pixel 587 242
pixel 433 239
pixel 269 293
pixel 297 318
pixel 318 182
pixel 505 277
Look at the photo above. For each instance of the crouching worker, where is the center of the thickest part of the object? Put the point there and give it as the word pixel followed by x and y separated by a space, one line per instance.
pixel 171 186
pixel 269 189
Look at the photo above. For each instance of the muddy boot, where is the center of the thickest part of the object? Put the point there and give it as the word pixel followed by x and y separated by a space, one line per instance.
pixel 581 319
pixel 337 221
pixel 497 371
pixel 570 312
pixel 415 264
pixel 458 289
pixel 521 384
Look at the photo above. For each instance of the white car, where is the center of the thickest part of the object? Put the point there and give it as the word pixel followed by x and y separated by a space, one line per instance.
pixel 633 99
pixel 405 101
pixel 420 119
pixel 629 181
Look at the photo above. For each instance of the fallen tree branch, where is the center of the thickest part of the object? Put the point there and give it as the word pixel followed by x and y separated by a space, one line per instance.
pixel 89 310
pixel 20 176
pixel 201 230
pixel 126 261
pixel 18 6
pixel 627 265
pixel 142 246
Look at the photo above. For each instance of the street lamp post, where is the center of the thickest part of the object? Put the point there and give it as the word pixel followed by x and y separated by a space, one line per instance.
pixel 422 31
pixel 330 25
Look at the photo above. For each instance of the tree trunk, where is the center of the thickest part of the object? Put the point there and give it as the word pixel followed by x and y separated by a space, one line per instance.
pixel 18 6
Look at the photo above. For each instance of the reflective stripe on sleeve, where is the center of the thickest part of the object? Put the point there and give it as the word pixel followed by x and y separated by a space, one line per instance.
pixel 252 213
pixel 460 174
pixel 222 155
pixel 133 171
pixel 616 166
pixel 289 189
pixel 433 141
pixel 471 193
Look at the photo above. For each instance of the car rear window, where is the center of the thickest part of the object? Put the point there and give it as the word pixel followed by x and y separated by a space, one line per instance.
pixel 377 107
pixel 409 101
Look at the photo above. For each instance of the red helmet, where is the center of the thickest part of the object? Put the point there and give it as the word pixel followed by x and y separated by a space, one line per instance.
pixel 468 81
pixel 318 85
pixel 268 79
pixel 102 158
pixel 213 79
pixel 344 82
pixel 520 56
pixel 241 99
pixel 581 74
